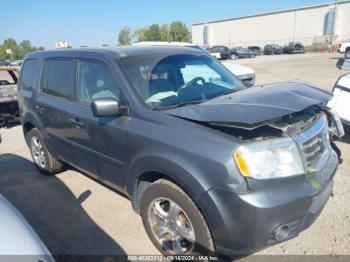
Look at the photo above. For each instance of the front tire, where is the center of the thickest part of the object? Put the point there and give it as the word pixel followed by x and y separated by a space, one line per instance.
pixel 43 159
pixel 173 222
pixel 233 57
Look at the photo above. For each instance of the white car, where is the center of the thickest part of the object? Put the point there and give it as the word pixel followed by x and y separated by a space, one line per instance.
pixel 345 49
pixel 244 73
pixel 17 237
pixel 341 93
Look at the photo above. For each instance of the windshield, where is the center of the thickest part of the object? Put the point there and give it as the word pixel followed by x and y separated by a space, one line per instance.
pixel 175 80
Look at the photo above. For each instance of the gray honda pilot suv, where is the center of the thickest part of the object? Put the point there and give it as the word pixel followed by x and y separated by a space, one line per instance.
pixel 212 167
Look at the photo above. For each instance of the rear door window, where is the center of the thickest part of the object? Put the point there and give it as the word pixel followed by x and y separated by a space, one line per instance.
pixel 29 70
pixel 59 78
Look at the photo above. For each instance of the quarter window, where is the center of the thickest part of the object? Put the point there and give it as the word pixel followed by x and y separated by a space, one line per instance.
pixel 59 77
pixel 29 73
pixel 95 82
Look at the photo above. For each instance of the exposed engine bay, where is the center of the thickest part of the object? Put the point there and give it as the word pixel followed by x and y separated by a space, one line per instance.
pixel 282 126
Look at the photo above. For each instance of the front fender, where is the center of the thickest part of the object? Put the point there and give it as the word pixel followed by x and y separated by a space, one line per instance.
pixel 182 172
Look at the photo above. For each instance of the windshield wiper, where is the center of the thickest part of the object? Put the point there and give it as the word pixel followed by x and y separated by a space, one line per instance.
pixel 181 104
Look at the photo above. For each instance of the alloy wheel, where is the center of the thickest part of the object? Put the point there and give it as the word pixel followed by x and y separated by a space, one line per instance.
pixel 38 152
pixel 171 226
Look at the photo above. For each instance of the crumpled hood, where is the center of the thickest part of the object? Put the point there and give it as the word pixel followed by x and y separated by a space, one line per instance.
pixel 254 105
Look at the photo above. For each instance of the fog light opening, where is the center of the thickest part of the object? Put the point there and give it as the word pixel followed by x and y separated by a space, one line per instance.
pixel 282 232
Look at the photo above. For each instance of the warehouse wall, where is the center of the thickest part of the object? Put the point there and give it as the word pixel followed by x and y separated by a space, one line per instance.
pixel 306 25
pixel 342 26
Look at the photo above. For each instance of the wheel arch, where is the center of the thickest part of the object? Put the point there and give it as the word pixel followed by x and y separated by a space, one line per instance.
pixel 30 121
pixel 150 169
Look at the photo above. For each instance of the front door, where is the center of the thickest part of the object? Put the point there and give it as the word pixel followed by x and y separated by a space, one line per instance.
pixel 99 142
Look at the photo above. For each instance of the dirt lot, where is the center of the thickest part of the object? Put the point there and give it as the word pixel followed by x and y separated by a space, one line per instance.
pixel 75 215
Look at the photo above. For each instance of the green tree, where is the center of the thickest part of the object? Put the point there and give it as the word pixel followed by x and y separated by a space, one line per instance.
pixel 179 32
pixel 18 50
pixel 153 33
pixel 9 43
pixel 124 37
pixel 165 33
pixel 139 35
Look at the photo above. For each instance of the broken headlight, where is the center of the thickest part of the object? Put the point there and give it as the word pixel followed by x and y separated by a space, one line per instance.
pixel 269 159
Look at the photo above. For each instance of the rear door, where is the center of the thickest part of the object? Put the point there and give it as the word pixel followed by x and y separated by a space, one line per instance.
pixel 57 88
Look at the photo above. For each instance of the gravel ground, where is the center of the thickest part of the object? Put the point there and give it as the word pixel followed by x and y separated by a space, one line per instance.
pixel 75 215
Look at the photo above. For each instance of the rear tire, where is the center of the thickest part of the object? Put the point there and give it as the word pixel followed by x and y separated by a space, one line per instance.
pixel 173 222
pixel 233 57
pixel 43 159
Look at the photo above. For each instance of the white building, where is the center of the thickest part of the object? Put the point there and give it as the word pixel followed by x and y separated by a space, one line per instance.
pixel 326 24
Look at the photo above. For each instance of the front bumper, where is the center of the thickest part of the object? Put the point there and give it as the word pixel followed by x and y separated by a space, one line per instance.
pixel 244 223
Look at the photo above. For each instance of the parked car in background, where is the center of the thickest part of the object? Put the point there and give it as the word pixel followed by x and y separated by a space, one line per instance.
pixel 4 63
pixel 16 63
pixel 220 52
pixel 244 53
pixel 255 49
pixel 294 48
pixel 211 166
pixel 9 113
pixel 273 49
pixel 341 93
pixel 345 49
pixel 244 73
pixel 17 238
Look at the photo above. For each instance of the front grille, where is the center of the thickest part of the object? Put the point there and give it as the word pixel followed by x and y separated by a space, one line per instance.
pixel 316 146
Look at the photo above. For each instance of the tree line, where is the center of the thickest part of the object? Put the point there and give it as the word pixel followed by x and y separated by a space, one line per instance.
pixel 176 31
pixel 19 50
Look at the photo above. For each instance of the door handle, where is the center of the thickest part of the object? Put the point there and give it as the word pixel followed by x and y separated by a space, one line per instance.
pixel 39 109
pixel 76 122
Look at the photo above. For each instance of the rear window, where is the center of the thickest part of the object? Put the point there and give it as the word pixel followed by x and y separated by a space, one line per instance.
pixel 58 78
pixel 29 70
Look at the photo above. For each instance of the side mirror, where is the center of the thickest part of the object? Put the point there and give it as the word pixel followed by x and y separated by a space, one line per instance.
pixel 343 64
pixel 340 63
pixel 104 107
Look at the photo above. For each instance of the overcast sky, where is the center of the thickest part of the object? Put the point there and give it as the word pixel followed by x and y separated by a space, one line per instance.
pixel 97 22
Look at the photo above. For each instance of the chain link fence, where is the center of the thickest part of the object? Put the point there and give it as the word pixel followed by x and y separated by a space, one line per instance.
pixel 312 44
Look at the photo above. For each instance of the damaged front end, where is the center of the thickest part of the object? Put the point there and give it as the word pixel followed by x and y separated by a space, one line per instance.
pixel 285 128
pixel 9 112
pixel 288 125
